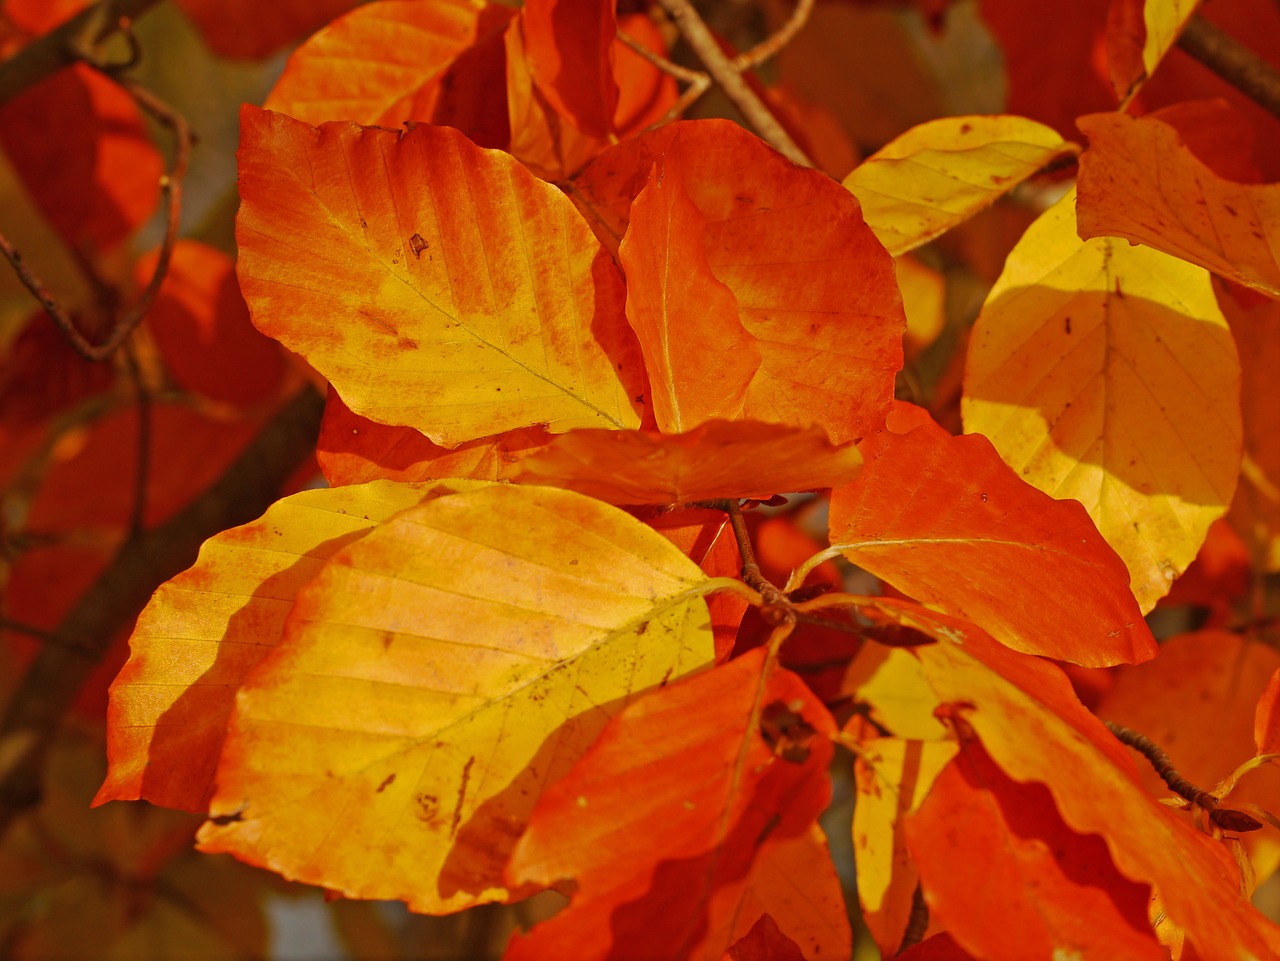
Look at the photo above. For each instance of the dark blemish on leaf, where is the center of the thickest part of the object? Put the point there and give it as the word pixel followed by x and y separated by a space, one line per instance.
pixel 418 245
pixel 984 498
pixel 1230 209
pixel 407 343
pixel 639 398
pixel 1119 292
pixel 644 626
pixel 998 180
pixel 389 780
pixel 428 805
pixel 364 223
pixel 786 732
pixel 1066 324
pixel 744 198
pixel 222 820
pixel 966 127
pixel 666 677
pixel 462 794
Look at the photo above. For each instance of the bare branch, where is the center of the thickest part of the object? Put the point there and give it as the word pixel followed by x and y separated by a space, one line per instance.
pixel 1233 62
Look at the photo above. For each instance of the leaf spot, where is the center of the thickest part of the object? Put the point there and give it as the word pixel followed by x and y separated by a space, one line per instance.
pixel 386 783
pixel 418 245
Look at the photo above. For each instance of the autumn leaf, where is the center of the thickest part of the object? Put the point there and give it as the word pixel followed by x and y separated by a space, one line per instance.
pixel 248 29
pixel 660 871
pixel 765 942
pixel 445 289
pixel 1139 34
pixel 1029 721
pixel 1266 722
pixel 353 449
pixel 891 691
pixel 720 459
pixel 945 521
pixel 396 60
pixel 981 837
pixel 814 288
pixel 892 777
pixel 939 174
pixel 569 46
pixel 205 630
pixel 1105 373
pixel 1138 181
pixel 699 357
pixel 434 677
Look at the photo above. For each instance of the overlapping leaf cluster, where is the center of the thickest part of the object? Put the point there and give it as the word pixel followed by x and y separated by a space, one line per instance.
pixel 507 646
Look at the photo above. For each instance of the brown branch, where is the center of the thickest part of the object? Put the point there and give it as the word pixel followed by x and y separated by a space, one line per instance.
pixel 50 684
pixel 1226 818
pixel 728 78
pixel 769 47
pixel 917 920
pixel 48 54
pixel 171 195
pixel 1233 62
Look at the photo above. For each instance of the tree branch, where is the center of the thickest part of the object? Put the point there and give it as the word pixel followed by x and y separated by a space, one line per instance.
pixel 52 681
pixel 51 52
pixel 1233 62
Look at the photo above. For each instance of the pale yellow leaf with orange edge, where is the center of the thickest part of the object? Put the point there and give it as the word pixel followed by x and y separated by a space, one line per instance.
pixel 1255 512
pixel 1030 722
pixel 1139 181
pixel 892 777
pixel 1139 34
pixel 203 632
pixel 397 60
pixel 699 357
pixel 443 288
pixel 889 685
pixel 435 676
pixel 941 173
pixel 719 459
pixel 1197 700
pixel 1105 373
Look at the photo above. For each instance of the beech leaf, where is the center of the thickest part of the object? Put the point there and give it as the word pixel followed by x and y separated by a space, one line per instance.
pixel 660 872
pixel 732 459
pixel 1030 722
pixel 203 632
pixel 434 677
pixel 1139 181
pixel 1105 373
pixel 940 173
pixel 1139 34
pixel 1266 723
pixel 445 288
pixel 945 521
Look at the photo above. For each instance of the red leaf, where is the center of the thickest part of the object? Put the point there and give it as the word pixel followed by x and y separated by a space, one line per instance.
pixel 250 29
pixel 944 520
pixel 660 858
pixel 765 942
pixel 981 838
pixel 569 46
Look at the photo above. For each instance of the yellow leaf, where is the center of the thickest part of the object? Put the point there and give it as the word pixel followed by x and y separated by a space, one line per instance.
pixel 1139 34
pixel 444 288
pixel 1105 373
pixel 941 173
pixel 435 676
pixel 206 629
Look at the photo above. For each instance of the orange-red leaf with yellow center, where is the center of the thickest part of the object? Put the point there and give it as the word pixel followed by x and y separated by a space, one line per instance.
pixel 718 459
pixel 1030 722
pixel 664 817
pixel 435 284
pixel 434 677
pixel 814 288
pixel 944 520
pixel 1139 181
pixel 981 838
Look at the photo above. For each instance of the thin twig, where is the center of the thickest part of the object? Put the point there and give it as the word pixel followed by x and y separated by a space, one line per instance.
pixel 50 684
pixel 142 396
pixel 50 52
pixel 1227 818
pixel 1233 62
pixel 683 74
pixel 769 47
pixel 730 80
pixel 19 627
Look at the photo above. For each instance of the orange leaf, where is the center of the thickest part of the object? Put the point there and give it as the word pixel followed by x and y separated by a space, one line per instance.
pixel 944 520
pixel 1105 373
pixel 250 29
pixel 660 872
pixel 385 63
pixel 699 357
pixel 981 839
pixel 1187 210
pixel 813 286
pixel 645 93
pixel 1266 722
pixel 77 141
pixel 1031 724
pixel 434 677
pixel 765 942
pixel 938 947
pixel 1139 34
pixel 436 285
pixel 203 631
pixel 201 325
pixel 569 46
pixel 733 459
pixel 353 449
